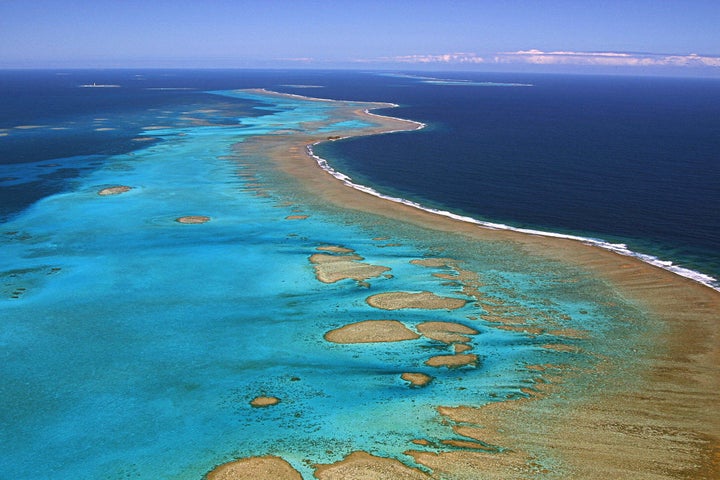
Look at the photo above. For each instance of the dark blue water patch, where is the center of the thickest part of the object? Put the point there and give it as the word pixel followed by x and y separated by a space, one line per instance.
pixel 23 184
pixel 48 118
pixel 630 159
pixel 52 116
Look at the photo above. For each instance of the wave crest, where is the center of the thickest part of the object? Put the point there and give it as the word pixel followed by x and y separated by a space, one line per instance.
pixel 618 248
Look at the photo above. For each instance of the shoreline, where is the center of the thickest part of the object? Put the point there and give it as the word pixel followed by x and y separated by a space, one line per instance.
pixel 670 415
pixel 619 248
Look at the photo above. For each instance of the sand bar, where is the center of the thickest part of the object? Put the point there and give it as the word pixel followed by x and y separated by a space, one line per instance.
pixel 363 466
pixel 416 379
pixel 321 258
pixel 452 361
pixel 358 271
pixel 114 190
pixel 421 300
pixel 193 219
pixel 334 249
pixel 371 331
pixel 446 332
pixel 256 468
pixel 333 268
pixel 264 401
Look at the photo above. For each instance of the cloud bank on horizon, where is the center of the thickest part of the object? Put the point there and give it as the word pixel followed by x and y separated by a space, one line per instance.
pixel 538 57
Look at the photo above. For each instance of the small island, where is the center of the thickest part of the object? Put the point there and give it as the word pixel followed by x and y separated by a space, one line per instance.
pixel 193 219
pixel 264 401
pixel 116 190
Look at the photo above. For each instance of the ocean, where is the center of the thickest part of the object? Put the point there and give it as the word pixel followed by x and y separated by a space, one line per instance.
pixel 624 160
pixel 132 344
pixel 628 161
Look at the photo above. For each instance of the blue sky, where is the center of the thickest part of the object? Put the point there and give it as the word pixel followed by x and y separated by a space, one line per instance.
pixel 363 33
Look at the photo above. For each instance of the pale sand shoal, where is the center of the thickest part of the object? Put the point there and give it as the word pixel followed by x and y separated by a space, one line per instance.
pixel 256 468
pixel 264 401
pixel 114 190
pixel 370 331
pixel 334 249
pixel 356 466
pixel 321 258
pixel 193 219
pixel 446 332
pixel 358 271
pixel 420 300
pixel 666 426
pixel 416 379
pixel 333 268
pixel 363 466
pixel 452 361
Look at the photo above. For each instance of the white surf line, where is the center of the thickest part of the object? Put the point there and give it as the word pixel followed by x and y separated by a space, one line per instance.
pixel 618 248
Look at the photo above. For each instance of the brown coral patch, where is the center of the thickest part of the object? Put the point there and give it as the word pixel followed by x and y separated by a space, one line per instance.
pixel 363 466
pixel 257 468
pixel 422 300
pixel 446 332
pixel 193 219
pixel 416 379
pixel 371 331
pixel 264 401
pixel 116 190
pixel 452 361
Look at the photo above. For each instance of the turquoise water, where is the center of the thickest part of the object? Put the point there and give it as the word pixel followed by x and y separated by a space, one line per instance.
pixel 132 344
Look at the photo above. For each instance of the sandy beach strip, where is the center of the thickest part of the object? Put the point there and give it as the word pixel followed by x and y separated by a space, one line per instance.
pixel 664 426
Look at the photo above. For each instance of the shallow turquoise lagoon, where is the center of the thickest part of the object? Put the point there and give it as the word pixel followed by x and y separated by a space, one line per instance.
pixel 132 344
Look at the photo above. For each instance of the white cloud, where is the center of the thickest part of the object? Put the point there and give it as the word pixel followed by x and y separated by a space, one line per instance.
pixel 538 57
pixel 443 58
pixel 298 59
pixel 605 59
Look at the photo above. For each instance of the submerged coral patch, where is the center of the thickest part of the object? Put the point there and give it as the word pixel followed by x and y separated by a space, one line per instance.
pixel 264 401
pixel 450 361
pixel 416 379
pixel 371 331
pixel 256 468
pixel 193 219
pixel 422 300
pixel 116 190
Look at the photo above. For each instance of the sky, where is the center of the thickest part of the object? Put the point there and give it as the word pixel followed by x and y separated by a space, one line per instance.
pixel 441 34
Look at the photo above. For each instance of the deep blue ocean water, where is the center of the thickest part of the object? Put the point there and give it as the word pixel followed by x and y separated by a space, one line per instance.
pixel 626 160
pixel 131 345
pixel 630 160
